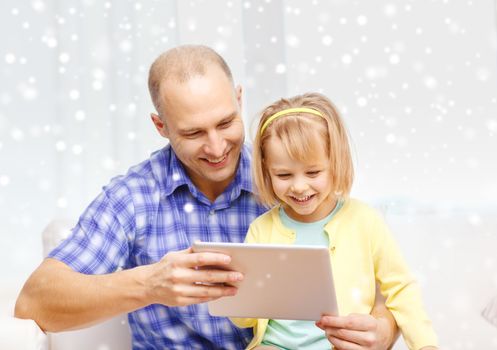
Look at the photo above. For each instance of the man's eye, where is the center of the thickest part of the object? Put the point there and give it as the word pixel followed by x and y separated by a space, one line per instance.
pixel 225 124
pixel 192 135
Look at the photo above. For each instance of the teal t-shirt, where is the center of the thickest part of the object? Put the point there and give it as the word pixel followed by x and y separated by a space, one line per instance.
pixel 297 334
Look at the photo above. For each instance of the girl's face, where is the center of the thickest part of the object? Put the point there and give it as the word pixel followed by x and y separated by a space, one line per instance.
pixel 304 188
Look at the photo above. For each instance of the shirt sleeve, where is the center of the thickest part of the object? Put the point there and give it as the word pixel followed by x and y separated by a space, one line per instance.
pixel 100 242
pixel 401 291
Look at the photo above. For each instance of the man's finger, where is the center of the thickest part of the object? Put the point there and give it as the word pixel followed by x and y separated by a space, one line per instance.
pixel 186 258
pixel 213 276
pixel 208 292
pixel 184 301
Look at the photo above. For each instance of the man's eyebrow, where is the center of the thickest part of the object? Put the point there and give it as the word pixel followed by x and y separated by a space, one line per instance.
pixel 230 116
pixel 189 131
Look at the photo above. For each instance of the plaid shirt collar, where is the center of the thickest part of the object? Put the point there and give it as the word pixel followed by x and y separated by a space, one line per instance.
pixel 171 174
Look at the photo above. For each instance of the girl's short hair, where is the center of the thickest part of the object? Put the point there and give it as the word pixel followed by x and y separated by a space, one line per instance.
pixel 304 134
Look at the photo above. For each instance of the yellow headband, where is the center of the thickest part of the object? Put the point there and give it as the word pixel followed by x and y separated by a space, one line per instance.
pixel 289 111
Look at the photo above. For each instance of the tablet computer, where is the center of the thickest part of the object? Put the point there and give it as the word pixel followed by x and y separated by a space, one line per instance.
pixel 292 282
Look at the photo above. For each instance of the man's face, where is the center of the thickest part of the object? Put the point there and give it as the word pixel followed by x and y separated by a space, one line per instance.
pixel 202 120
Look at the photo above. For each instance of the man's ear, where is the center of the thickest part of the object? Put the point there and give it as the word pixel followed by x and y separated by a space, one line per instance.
pixel 159 125
pixel 238 91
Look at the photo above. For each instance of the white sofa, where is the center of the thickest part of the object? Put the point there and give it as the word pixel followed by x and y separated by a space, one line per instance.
pixel 18 334
pixel 26 335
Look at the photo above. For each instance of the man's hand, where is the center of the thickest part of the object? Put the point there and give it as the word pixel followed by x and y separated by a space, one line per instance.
pixel 356 332
pixel 59 299
pixel 183 278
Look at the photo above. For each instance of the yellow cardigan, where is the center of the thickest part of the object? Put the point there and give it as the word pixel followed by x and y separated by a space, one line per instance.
pixel 362 251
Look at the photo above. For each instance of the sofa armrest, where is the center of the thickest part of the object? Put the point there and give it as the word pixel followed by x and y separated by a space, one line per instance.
pixel 490 311
pixel 112 334
pixel 21 334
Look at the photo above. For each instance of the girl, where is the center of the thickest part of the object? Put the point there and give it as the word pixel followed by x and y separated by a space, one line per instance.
pixel 302 164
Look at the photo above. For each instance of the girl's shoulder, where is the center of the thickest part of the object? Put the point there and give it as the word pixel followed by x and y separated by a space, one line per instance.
pixel 356 208
pixel 267 218
pixel 360 220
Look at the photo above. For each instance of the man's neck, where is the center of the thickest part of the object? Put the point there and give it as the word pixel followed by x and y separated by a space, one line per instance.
pixel 214 190
pixel 210 189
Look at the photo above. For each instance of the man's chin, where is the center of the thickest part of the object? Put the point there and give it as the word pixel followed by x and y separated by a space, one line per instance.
pixel 219 175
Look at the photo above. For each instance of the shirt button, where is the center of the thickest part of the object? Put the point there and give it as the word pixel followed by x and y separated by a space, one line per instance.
pixel 212 212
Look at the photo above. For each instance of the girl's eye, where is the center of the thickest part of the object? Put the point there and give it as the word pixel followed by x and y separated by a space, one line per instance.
pixel 283 176
pixel 313 173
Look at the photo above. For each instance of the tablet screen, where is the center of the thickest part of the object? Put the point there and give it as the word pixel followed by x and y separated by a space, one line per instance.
pixel 292 282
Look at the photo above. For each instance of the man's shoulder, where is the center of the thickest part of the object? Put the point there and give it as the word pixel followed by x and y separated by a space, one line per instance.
pixel 142 177
pixel 246 153
pixel 244 174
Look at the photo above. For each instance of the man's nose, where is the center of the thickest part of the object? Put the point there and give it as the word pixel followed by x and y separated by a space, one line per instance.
pixel 215 144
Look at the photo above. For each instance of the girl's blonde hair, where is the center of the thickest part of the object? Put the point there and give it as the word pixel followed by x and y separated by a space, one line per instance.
pixel 304 135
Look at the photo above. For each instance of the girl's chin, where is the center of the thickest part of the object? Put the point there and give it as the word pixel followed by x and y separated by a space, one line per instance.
pixel 300 213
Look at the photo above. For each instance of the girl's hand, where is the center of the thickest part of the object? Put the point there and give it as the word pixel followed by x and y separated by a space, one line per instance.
pixel 357 332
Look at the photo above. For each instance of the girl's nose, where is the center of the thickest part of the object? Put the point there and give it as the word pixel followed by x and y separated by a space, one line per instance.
pixel 299 185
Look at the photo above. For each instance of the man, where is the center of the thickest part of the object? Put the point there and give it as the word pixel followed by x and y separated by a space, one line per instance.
pixel 196 188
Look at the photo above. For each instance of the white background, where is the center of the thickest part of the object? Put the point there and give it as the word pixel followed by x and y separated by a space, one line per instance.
pixel 415 80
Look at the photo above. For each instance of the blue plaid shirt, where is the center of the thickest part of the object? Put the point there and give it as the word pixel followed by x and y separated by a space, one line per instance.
pixel 152 210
